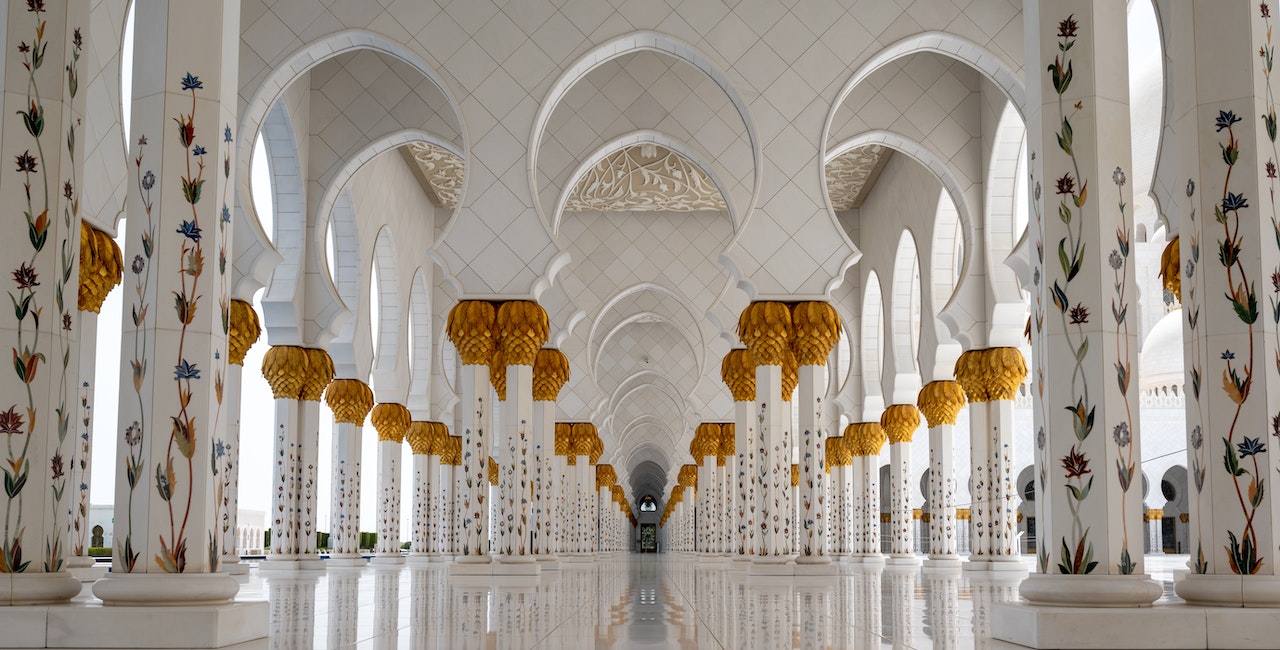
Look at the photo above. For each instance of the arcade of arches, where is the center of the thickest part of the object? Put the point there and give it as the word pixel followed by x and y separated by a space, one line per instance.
pixel 975 304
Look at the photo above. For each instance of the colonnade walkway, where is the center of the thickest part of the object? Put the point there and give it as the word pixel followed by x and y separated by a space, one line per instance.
pixel 641 601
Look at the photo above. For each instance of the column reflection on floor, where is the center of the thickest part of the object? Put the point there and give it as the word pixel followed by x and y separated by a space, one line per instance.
pixel 628 601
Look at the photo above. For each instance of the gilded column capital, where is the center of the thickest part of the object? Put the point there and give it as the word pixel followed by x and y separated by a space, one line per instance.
pixel 816 328
pixel 728 442
pixel 439 438
pixel 597 446
pixel 582 438
pixel 452 453
pixel 940 402
pixel 837 452
pixel 688 476
pixel 765 328
pixel 419 436
pixel 970 375
pixel 606 476
pixel 738 372
pixel 865 438
pixel 550 374
pixel 350 400
pixel 1171 268
pixel 319 374
pixel 101 267
pixel 706 441
pixel 285 367
pixel 563 438
pixel 795 475
pixel 472 328
pixel 493 472
pixel 1006 370
pixel 391 421
pixel 243 331
pixel 900 422
pixel 498 373
pixel 790 375
pixel 522 329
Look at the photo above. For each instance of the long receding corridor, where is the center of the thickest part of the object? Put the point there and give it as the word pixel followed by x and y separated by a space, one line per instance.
pixel 639 323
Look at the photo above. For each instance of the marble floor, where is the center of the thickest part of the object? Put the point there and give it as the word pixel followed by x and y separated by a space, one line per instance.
pixel 639 601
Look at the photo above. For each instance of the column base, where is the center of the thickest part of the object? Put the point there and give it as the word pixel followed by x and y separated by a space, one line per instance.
pixel 166 589
pixel 291 565
pixel 90 573
pixel 94 626
pixel 80 561
pixel 37 588
pixel 903 560
pixel 828 568
pixel 346 560
pixel 943 563
pixel 1011 565
pixel 506 567
pixel 867 560
pixel 419 560
pixel 579 558
pixel 1160 626
pixel 387 560
pixel 471 565
pixel 780 568
pixel 1090 591
pixel 231 565
pixel 549 562
pixel 813 560
pixel 1229 590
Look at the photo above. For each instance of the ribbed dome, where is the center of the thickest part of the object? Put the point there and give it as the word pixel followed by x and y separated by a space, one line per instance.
pixel 1160 365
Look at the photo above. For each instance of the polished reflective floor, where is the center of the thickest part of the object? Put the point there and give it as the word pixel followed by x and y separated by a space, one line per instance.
pixel 640 601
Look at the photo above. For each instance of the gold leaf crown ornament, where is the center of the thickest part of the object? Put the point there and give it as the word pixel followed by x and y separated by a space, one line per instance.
pixel 584 434
pixel 816 328
pixel 498 373
pixel 738 371
pixel 471 327
pixel 350 400
pixel 790 375
pixel 243 332
pixel 765 328
pixel 865 438
pixel 101 268
pixel 837 452
pixel 391 421
pixel 493 471
pixel 285 367
pixel 563 438
pixel 606 476
pixel 1171 268
pixel 319 374
pixel 418 435
pixel 597 446
pixel 550 374
pixel 522 329
pixel 688 476
pixel 453 451
pixel 795 475
pixel 439 438
pixel 940 402
pixel 1006 369
pixel 900 422
pixel 706 441
pixel 728 442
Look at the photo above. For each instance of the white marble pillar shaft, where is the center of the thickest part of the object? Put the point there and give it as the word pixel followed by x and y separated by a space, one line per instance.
pixel 942 493
pixel 744 426
pixel 474 503
pixel 388 548
pixel 813 475
pixel 285 544
pixel 513 480
pixel 82 448
pixel 228 461
pixel 545 483
pixel 774 464
pixel 344 499
pixel 423 491
pixel 900 499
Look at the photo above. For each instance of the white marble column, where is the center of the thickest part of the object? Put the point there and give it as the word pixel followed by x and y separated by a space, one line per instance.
pixel 101 269
pixel 703 449
pixel 737 370
pixel 900 422
pixel 816 327
pixel 42 115
pixel 444 545
pixel 990 379
pixel 765 328
pixel 866 439
pixel 564 527
pixel 421 437
pixel 320 371
pixel 1230 250
pixel 1089 511
pixel 940 403
pixel 244 331
pixel 550 373
pixel 838 460
pixel 391 421
pixel 350 400
pixel 179 234
pixel 472 329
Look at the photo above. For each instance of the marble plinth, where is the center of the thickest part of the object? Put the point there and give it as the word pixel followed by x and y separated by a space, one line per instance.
pixel 1090 591
pixel 782 568
pixel 942 563
pixel 1229 590
pixel 1164 626
pixel 37 588
pixel 509 567
pixel 387 560
pixel 95 572
pixel 903 560
pixel 292 565
pixel 471 566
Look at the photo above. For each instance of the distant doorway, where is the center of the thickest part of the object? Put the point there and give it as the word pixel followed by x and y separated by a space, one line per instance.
pixel 648 538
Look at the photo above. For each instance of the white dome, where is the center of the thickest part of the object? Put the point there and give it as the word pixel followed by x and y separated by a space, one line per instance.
pixel 1160 364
